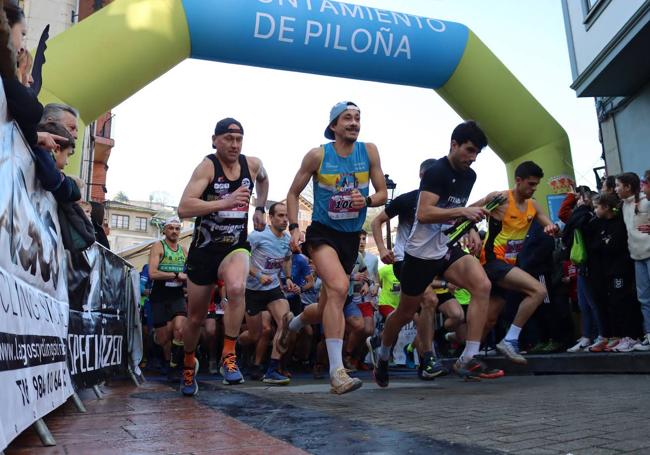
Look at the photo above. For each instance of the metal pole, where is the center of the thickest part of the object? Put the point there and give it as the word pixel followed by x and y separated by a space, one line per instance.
pixel 44 433
pixel 78 403
pixel 134 378
pixel 98 392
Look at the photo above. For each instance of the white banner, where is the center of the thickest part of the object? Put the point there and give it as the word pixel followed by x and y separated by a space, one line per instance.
pixel 34 310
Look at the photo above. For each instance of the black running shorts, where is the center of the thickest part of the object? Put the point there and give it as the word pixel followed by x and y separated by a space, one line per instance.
pixel 418 273
pixel 203 265
pixel 346 244
pixel 164 311
pixel 257 301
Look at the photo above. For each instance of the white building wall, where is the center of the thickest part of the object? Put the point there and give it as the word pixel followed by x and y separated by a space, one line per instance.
pixel 39 13
pixel 589 43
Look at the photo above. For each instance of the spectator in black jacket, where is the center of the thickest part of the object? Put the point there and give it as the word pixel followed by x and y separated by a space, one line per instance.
pixel 611 276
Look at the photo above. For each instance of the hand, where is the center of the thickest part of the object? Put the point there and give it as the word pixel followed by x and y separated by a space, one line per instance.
pixel 387 256
pixel 48 141
pixel 292 287
pixel 237 198
pixel 645 228
pixel 474 242
pixel 358 200
pixel 451 287
pixel 474 214
pixel 364 289
pixel 265 279
pixel 361 276
pixel 294 243
pixel 259 220
pixel 374 290
pixel 182 277
pixel 552 230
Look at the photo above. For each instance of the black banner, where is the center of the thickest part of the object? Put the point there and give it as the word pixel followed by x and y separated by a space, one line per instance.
pixel 96 346
pixel 24 351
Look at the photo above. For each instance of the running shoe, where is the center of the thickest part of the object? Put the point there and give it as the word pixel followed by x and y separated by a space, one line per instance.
pixel 598 345
pixel 372 343
pixel 475 370
pixel 230 370
pixel 510 349
pixel 552 347
pixel 582 345
pixel 275 378
pixel 410 357
pixel 613 342
pixel 342 383
pixel 626 345
pixel 644 345
pixel 349 363
pixel 379 367
pixel 285 336
pixel 189 386
pixel 431 369
pixel 213 367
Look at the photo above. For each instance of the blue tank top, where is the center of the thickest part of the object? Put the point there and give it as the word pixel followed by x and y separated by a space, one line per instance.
pixel 333 185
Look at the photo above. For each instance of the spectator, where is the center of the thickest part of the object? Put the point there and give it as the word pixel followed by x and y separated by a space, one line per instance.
pixel 635 213
pixel 611 275
pixel 63 114
pixel 575 215
pixel 609 185
pixel 25 63
pixel 50 164
pixel 22 103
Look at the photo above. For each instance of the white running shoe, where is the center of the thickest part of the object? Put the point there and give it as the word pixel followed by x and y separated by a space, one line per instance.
pixel 582 345
pixel 626 345
pixel 342 383
pixel 644 345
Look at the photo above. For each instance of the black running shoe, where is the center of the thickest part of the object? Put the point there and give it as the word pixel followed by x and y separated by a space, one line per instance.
pixel 380 373
pixel 475 370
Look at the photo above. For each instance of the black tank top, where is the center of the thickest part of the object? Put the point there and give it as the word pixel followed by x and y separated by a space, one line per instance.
pixel 223 229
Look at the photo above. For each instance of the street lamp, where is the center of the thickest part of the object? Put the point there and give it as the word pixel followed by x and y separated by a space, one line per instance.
pixel 390 185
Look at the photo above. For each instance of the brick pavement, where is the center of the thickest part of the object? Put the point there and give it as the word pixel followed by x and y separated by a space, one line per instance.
pixel 586 414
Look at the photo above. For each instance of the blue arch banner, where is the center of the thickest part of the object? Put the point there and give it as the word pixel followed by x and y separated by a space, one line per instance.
pixel 327 37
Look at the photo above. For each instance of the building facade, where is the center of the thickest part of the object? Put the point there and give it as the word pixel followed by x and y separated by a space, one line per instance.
pixel 609 49
pixel 97 140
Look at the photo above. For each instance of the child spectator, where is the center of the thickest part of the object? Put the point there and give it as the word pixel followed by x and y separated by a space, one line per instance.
pixel 611 274
pixel 635 213
pixel 575 215
pixel 50 163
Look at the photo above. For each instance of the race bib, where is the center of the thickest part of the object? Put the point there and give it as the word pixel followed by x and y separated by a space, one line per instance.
pixel 173 284
pixel 340 207
pixel 235 212
pixel 273 264
pixel 513 248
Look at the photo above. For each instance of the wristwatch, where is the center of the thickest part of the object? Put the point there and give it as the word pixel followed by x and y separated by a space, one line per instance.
pixel 368 201
pixel 260 209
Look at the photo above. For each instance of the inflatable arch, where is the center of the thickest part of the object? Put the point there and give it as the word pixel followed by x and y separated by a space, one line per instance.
pixel 139 40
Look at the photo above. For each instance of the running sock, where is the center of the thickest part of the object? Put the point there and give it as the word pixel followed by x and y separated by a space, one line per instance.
pixel 296 324
pixel 471 349
pixel 384 352
pixel 188 360
pixel 177 353
pixel 513 333
pixel 274 365
pixel 334 350
pixel 228 345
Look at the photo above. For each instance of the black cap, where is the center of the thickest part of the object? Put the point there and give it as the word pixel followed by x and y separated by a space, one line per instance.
pixel 226 126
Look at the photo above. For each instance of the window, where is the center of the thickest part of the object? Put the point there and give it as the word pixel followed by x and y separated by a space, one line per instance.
pixel 120 221
pixel 592 9
pixel 140 223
